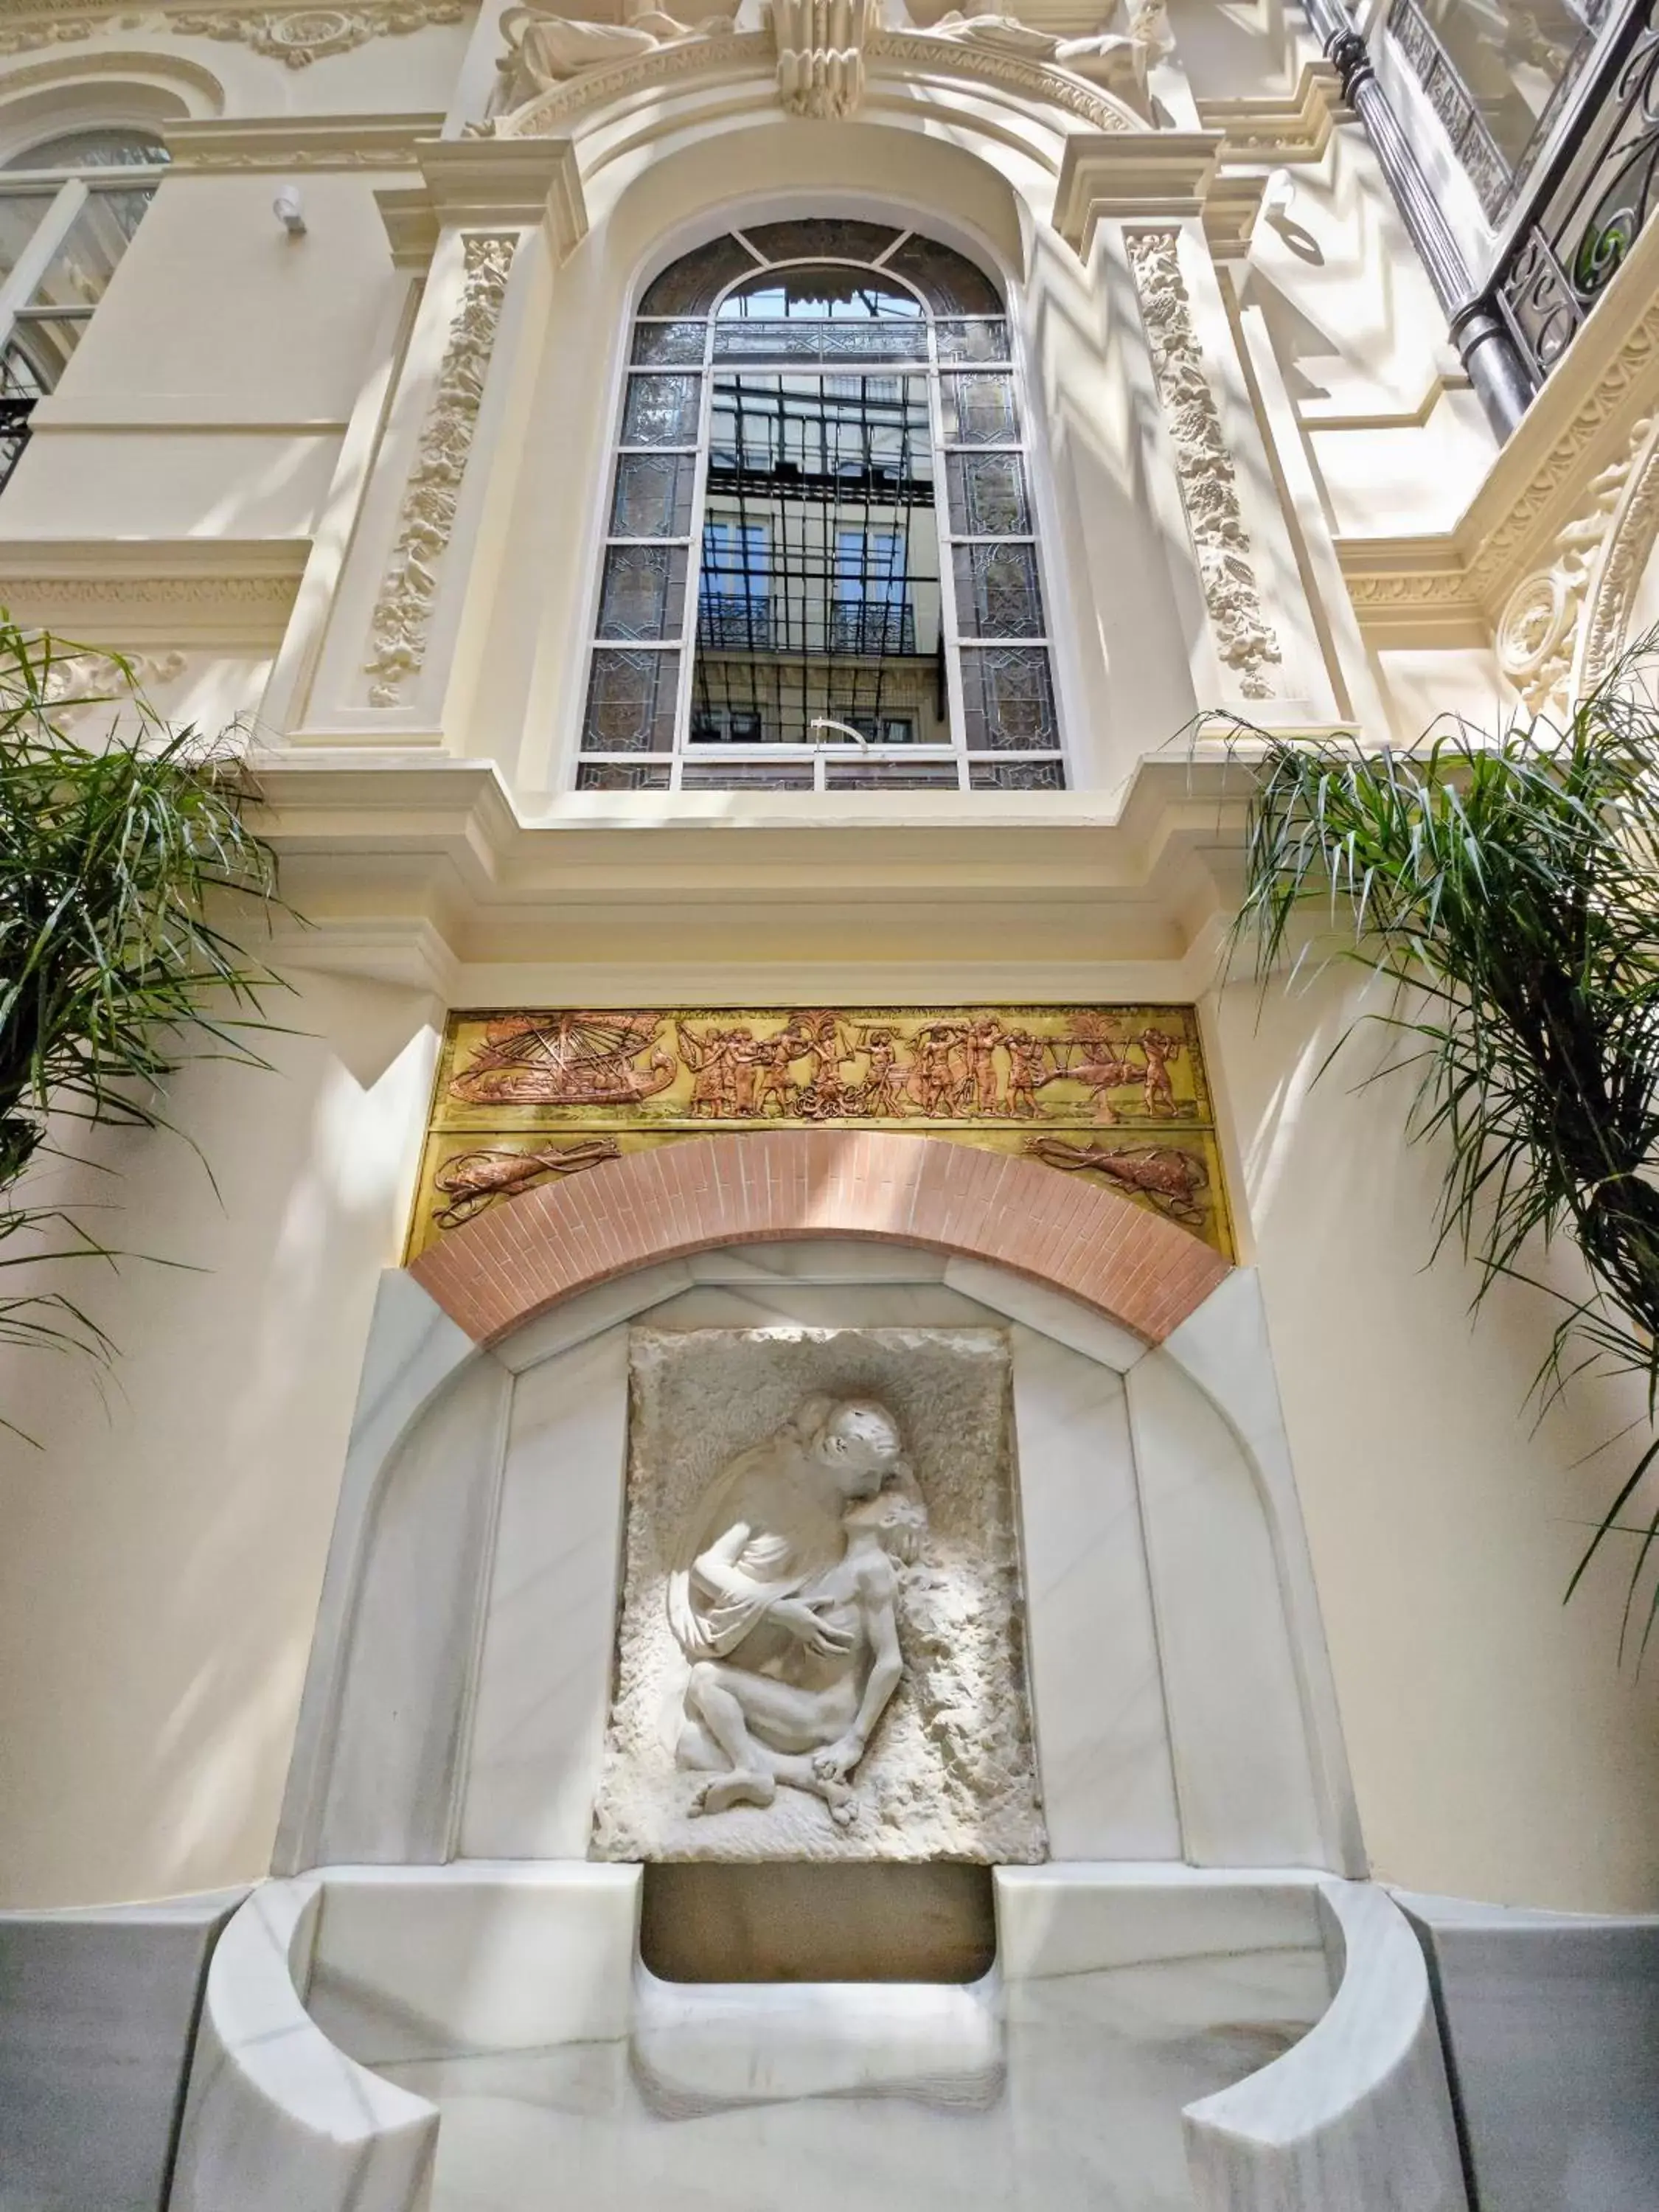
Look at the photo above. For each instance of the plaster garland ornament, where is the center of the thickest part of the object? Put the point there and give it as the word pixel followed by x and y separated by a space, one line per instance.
pixel 1204 466
pixel 80 684
pixel 397 626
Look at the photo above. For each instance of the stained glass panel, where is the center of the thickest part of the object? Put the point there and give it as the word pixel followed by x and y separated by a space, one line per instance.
pixel 652 495
pixel 997 594
pixel 947 280
pixel 631 698
pixel 803 240
pixel 1016 775
pixel 661 410
pixel 1007 700
pixel 893 775
pixel 980 411
pixel 985 340
pixel 691 285
pixel 987 496
pixel 622 775
pixel 746 775
pixel 643 595
pixel 660 344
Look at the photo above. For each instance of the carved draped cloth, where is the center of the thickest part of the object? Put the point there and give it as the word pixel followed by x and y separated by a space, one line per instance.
pixel 791 1515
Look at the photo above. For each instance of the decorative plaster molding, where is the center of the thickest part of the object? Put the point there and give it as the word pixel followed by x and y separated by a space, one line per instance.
pixel 228 593
pixel 80 686
pixel 1272 132
pixel 1538 630
pixel 1168 173
pixel 1232 208
pixel 1204 466
pixel 397 626
pixel 1604 629
pixel 821 53
pixel 907 52
pixel 297 36
pixel 284 142
pixel 594 87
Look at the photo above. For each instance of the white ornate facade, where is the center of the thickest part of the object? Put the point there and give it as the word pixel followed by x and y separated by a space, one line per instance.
pixel 353 481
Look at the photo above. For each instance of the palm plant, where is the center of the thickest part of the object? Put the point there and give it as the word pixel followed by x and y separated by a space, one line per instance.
pixel 1508 887
pixel 120 865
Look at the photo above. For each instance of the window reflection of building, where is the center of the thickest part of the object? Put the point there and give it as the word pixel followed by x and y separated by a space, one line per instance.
pixel 844 601
pixel 1496 75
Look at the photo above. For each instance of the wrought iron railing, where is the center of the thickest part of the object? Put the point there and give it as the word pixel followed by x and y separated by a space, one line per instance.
pixel 1588 211
pixel 1455 104
pixel 14 415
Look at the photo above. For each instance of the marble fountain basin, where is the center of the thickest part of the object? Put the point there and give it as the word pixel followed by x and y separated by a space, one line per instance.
pixel 482 2038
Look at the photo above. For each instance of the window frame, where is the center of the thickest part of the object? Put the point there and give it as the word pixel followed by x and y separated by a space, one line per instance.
pixel 824 764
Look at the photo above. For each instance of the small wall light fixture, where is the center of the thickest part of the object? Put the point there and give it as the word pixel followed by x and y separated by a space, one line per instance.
pixel 289 211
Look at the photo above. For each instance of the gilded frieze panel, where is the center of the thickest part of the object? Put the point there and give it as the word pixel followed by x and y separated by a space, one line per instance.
pixel 1116 1095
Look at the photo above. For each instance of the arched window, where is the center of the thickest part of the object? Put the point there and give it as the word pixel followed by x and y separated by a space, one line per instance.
pixel 822 569
pixel 69 206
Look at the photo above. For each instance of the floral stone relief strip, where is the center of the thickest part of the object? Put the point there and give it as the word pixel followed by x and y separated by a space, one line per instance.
pixel 1204 466
pixel 397 626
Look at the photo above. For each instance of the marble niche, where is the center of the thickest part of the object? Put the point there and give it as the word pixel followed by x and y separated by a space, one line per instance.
pixel 820 1648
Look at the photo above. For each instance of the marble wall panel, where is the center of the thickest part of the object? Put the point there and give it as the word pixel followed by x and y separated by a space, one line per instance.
pixel 1108 1789
pixel 97 2011
pixel 1244 1778
pixel 544 1675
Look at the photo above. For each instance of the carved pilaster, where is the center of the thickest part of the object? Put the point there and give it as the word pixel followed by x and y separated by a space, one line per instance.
pixel 1204 466
pixel 398 627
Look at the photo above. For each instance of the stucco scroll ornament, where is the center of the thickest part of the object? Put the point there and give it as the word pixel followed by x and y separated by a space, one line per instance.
pixel 398 625
pixel 784 1599
pixel 1204 466
pixel 821 53
pixel 1538 630
pixel 544 50
pixel 1115 60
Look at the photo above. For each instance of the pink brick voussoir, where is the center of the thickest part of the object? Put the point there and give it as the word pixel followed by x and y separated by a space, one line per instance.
pixel 550 1244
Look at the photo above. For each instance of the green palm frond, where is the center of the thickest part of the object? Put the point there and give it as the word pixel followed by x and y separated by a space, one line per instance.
pixel 1508 887
pixel 126 867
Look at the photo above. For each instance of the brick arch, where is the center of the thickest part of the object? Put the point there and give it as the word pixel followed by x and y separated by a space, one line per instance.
pixel 527 1253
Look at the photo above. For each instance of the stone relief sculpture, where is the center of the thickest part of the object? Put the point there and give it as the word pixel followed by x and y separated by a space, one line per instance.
pixel 545 49
pixel 783 1599
pixel 1115 60
pixel 819 1652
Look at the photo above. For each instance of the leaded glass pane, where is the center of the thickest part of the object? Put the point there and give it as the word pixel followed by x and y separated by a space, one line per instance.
pixel 121 148
pixel 691 285
pixel 622 775
pixel 1007 700
pixel 661 410
pixel 893 776
pixel 801 242
pixel 985 340
pixel 1017 776
pixel 653 498
pixel 630 702
pixel 987 496
pixel 948 280
pixel 657 344
pixel 997 594
pixel 643 595
pixel 793 341
pixel 746 775
pixel 980 411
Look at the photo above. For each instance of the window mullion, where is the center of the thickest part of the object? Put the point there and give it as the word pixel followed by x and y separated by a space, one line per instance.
pixel 29 272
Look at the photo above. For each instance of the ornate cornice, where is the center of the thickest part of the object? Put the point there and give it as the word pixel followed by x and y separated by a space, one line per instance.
pixel 1165 173
pixel 398 627
pixel 1272 132
pixel 295 36
pixel 285 143
pixel 1204 466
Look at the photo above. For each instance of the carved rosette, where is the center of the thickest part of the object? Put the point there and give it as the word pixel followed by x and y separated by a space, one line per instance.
pixel 821 53
pixel 1539 630
pixel 1204 466
pixel 297 36
pixel 397 626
